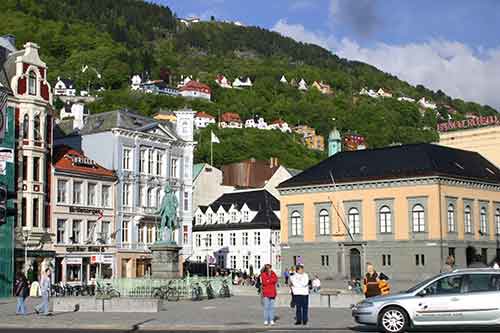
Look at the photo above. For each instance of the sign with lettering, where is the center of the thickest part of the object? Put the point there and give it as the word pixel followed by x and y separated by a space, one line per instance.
pixel 84 210
pixel 468 123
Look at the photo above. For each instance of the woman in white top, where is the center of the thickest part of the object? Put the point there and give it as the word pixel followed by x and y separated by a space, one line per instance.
pixel 300 289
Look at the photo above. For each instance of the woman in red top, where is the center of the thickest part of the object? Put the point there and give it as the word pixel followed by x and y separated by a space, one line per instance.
pixel 268 280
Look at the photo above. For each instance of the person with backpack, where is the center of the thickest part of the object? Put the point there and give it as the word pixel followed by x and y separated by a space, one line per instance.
pixel 21 291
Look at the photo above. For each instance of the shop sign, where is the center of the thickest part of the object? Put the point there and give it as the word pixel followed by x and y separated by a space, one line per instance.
pixel 6 155
pixel 75 249
pixel 468 123
pixel 73 261
pixel 101 259
pixel 84 210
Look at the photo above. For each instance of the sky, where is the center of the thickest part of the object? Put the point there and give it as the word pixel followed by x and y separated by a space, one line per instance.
pixel 452 45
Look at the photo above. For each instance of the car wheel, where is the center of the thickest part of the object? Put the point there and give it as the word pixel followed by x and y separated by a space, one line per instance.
pixel 393 320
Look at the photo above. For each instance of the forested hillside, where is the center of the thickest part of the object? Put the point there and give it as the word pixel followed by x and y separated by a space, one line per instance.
pixel 120 38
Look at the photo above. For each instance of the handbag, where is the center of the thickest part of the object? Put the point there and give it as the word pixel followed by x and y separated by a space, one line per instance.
pixel 292 302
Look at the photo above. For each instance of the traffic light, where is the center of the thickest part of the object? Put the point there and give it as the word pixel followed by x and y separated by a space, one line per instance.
pixel 5 195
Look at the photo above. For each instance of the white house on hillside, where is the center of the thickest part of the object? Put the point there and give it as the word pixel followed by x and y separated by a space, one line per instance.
pixel 64 87
pixel 184 80
pixel 202 120
pixel 283 79
pixel 426 104
pixel 242 82
pixel 280 125
pixel 406 99
pixel 303 85
pixel 223 82
pixel 370 93
pixel 259 123
pixel 382 93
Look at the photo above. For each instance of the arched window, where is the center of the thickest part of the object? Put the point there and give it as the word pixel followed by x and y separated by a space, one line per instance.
pixel 353 221
pixel 32 83
pixel 26 126
pixel 483 225
pixel 36 128
pixel 418 218
pixel 497 220
pixel 385 218
pixel 296 224
pixel 324 222
pixel 451 218
pixel 467 220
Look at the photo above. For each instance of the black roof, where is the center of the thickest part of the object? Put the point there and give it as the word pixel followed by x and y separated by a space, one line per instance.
pixel 260 200
pixel 405 161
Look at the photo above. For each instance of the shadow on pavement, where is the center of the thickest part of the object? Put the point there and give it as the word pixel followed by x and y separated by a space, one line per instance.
pixel 461 329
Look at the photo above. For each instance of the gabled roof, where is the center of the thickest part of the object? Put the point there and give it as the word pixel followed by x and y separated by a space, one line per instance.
pixel 202 114
pixel 196 86
pixel 406 161
pixel 230 117
pixel 67 82
pixel 67 159
pixel 102 122
pixel 197 169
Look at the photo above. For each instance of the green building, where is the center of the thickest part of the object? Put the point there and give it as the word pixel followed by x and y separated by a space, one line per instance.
pixel 7 177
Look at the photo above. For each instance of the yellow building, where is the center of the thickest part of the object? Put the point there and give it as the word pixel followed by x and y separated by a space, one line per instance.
pixel 484 140
pixel 403 208
pixel 311 140
pixel 165 115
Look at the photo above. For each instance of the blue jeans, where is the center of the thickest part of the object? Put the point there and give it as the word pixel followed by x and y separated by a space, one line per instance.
pixel 302 308
pixel 43 307
pixel 268 309
pixel 21 307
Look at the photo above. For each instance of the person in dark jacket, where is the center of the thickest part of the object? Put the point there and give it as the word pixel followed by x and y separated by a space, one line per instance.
pixel 21 290
pixel 371 281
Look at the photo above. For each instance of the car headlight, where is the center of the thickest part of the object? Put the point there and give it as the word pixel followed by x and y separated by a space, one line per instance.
pixel 364 305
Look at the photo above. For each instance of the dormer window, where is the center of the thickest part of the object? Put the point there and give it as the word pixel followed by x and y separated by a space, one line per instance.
pixel 32 83
pixel 233 217
pixel 245 216
pixel 221 217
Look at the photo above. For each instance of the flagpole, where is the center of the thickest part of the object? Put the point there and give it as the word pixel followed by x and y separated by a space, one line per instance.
pixel 211 152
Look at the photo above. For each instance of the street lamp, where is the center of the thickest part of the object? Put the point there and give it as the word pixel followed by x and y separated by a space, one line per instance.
pixel 208 252
pixel 26 238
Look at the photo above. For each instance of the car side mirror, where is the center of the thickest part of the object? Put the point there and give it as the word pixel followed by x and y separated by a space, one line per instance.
pixel 423 293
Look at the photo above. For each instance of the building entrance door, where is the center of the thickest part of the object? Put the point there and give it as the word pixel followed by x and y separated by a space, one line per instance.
pixel 470 254
pixel 355 263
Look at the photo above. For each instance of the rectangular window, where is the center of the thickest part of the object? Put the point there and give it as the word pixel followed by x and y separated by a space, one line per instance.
pixel 220 261
pixel 484 255
pixel 36 169
pixel 295 260
pixel 451 251
pixel 91 194
pixel 220 239
pixel 185 234
pixel 106 196
pixel 245 216
pixel 386 260
pixel 105 231
pixel 245 262
pixel 23 212
pixel 256 238
pixel 127 159
pixel 149 234
pixel 62 186
pixel 173 171
pixel 126 195
pixel 420 260
pixel 76 232
pixel 125 231
pixel 25 168
pixel 325 261
pixel 208 240
pixel 36 213
pixel 232 239
pixel 91 232
pixel 258 263
pixel 198 240
pixel 77 193
pixel 244 239
pixel 150 161
pixel 140 233
pixel 61 228
pixel 142 161
pixel 186 201
pixel 159 163
pixel 32 83
pixel 233 262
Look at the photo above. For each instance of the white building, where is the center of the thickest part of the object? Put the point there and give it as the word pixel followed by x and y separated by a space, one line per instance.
pixel 239 231
pixel 223 82
pixel 303 85
pixel 283 79
pixel 203 119
pixel 64 87
pixel 242 82
pixel 382 93
pixel 281 125
pixel 406 99
pixel 82 217
pixel 195 89
pixel 185 80
pixel 426 104
pixel 136 82
pixel 207 185
pixel 259 123
pixel 77 111
pixel 370 93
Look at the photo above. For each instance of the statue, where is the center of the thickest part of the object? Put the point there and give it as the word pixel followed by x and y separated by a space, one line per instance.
pixel 168 215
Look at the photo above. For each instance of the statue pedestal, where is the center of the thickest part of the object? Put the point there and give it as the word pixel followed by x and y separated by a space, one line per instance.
pixel 165 263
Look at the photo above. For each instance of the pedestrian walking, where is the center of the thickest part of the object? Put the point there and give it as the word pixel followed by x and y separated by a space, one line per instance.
pixel 316 284
pixel 300 290
pixel 286 275
pixel 21 290
pixel 43 308
pixel 268 281
pixel 371 282
pixel 449 265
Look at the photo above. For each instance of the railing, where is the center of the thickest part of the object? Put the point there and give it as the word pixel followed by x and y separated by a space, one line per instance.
pixel 145 287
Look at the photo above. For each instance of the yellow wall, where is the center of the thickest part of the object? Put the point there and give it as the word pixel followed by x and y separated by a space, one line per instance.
pixel 485 141
pixel 400 213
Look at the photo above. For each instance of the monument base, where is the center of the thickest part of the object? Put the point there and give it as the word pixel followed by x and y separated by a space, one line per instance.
pixel 165 263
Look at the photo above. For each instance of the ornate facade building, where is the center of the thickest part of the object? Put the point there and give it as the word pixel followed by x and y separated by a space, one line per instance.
pixel 146 154
pixel 403 208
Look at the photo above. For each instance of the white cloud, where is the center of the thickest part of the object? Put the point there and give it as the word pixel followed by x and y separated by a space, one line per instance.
pixel 450 66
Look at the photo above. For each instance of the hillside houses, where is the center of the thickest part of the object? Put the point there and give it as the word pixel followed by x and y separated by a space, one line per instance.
pixel 406 99
pixel 242 82
pixel 280 125
pixel 257 122
pixel 283 79
pixel 422 102
pixel 64 87
pixel 426 104
pixel 195 89
pixel 303 85
pixel 223 82
pixel 322 87
pixel 203 119
pixel 382 93
pixel 157 87
pixel 230 120
pixel 310 138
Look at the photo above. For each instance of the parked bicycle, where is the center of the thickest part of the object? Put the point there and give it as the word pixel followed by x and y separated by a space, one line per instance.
pixel 210 290
pixel 169 292
pixel 196 292
pixel 106 291
pixel 224 289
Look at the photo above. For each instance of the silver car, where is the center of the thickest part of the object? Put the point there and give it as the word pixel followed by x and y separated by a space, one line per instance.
pixel 466 297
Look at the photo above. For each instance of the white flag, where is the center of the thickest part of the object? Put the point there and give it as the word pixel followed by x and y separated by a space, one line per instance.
pixel 214 139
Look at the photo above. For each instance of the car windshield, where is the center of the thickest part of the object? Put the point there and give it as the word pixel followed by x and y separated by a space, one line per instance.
pixel 420 285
